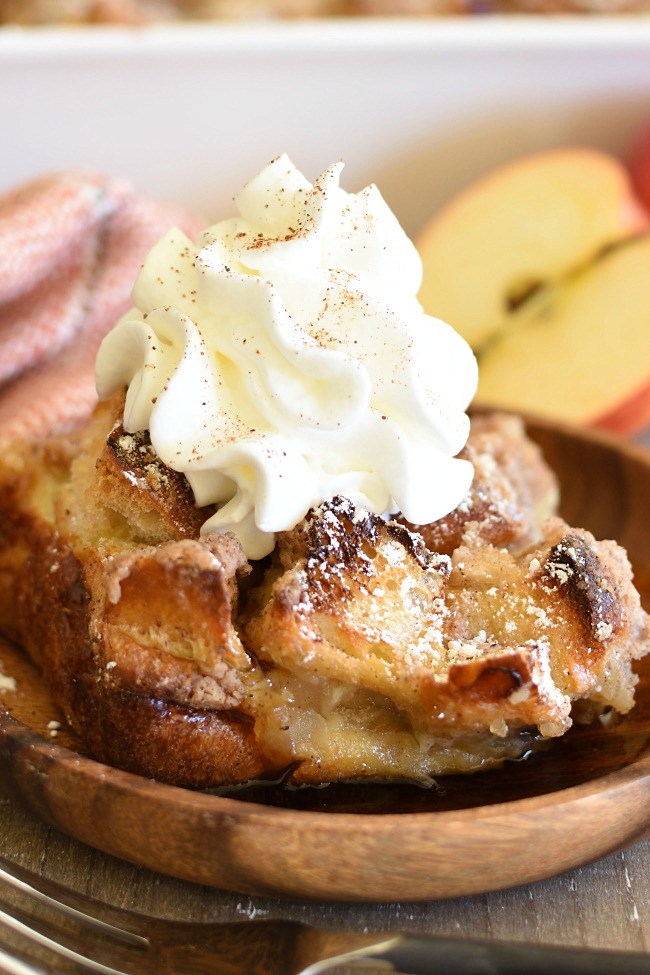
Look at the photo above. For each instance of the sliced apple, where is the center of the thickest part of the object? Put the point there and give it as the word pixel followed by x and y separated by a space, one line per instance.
pixel 639 166
pixel 525 224
pixel 630 417
pixel 580 351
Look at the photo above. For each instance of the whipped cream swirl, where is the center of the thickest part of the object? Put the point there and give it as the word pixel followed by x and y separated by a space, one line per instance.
pixel 285 359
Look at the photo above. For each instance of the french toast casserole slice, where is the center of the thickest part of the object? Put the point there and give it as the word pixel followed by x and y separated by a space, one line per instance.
pixel 361 648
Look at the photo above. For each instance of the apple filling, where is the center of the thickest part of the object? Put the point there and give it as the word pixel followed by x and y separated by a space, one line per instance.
pixel 330 731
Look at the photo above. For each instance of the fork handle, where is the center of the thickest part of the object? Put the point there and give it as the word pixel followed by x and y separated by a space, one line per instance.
pixel 441 956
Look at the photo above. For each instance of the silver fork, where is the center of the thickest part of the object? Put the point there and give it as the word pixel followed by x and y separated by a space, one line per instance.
pixel 53 929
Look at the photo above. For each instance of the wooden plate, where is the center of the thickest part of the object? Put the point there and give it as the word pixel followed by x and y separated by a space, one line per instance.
pixel 587 795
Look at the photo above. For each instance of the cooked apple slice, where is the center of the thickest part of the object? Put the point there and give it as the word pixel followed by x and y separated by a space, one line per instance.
pixel 579 351
pixel 525 224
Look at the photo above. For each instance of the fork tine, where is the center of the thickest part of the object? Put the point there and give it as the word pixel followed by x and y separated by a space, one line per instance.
pixel 13 966
pixel 29 928
pixel 35 937
pixel 122 934
pixel 235 948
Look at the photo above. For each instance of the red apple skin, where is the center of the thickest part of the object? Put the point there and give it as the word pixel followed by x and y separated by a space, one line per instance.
pixel 638 164
pixel 629 418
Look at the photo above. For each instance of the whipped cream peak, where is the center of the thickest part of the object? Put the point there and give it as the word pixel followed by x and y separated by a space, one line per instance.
pixel 284 359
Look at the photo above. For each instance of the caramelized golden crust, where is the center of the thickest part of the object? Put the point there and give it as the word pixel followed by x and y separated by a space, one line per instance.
pixel 118 491
pixel 485 642
pixel 513 490
pixel 162 494
pixel 157 642
pixel 355 651
pixel 119 695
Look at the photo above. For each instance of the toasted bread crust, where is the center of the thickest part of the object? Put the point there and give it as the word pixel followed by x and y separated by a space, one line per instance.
pixel 126 717
pixel 512 493
pixel 355 651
